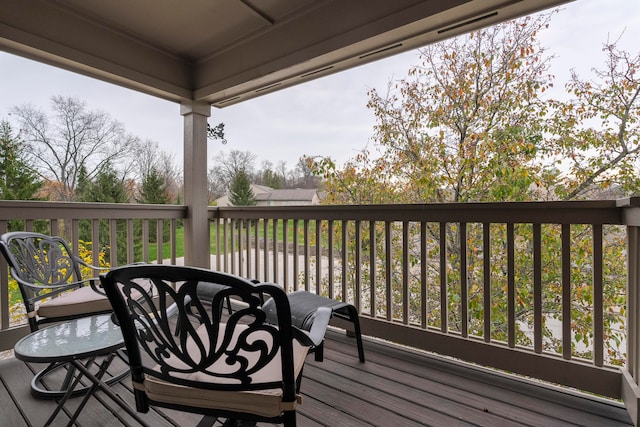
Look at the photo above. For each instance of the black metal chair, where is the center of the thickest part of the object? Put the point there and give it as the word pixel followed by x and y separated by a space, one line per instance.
pixel 304 308
pixel 50 280
pixel 236 366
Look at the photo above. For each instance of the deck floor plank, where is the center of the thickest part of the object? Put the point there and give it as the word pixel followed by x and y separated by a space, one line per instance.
pixel 526 403
pixel 434 388
pixel 395 386
pixel 11 414
pixel 420 400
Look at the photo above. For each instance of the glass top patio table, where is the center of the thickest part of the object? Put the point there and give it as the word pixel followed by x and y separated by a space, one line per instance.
pixel 73 339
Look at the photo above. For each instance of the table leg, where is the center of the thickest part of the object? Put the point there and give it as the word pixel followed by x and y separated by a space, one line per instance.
pixel 103 368
pixel 107 390
pixel 66 396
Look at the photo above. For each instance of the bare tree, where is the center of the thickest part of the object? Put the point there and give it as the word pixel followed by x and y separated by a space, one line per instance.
pixel 305 175
pixel 73 138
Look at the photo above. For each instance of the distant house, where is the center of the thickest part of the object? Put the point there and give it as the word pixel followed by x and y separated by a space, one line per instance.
pixel 267 196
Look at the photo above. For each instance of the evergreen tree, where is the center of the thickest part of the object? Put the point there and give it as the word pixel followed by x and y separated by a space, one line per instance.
pixel 18 181
pixel 240 192
pixel 153 190
pixel 83 186
pixel 106 187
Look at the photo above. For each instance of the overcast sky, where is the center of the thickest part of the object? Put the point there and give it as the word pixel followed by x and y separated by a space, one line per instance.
pixel 325 117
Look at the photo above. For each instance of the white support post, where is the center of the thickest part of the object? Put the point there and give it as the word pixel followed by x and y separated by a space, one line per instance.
pixel 196 235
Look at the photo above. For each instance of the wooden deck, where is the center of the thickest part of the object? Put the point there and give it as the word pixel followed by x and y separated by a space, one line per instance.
pixel 395 387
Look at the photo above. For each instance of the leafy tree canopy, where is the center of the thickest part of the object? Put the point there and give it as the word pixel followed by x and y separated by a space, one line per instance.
pixel 473 122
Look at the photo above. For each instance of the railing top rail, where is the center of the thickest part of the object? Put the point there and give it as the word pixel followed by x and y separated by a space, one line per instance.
pixel 10 210
pixel 570 212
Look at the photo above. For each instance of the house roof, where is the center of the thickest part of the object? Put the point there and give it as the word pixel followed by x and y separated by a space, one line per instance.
pixel 226 51
pixel 259 189
pixel 292 194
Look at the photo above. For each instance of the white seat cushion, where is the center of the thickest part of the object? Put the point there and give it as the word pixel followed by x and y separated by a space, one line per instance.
pixel 80 301
pixel 266 403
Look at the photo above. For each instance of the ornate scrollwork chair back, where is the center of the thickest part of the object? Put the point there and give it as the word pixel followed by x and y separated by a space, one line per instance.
pixel 50 280
pixel 236 366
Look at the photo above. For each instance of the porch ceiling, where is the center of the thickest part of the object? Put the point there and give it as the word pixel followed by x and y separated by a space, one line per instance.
pixel 227 51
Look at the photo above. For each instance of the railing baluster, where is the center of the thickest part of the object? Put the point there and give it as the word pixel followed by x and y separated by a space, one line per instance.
pixel 265 238
pixel 423 275
pixel 444 312
pixel 633 302
pixel 464 289
pixel 511 287
pixel 232 245
pixel 5 320
pixel 145 240
pixel 566 291
pixel 388 270
pixel 285 253
pixel 256 250
pixel 238 231
pixel 307 256
pixel 113 242
pixel 537 288
pixel 296 255
pixel 318 257
pixel 372 269
pixel 95 243
pixel 357 296
pixel 247 237
pixel 486 267
pixel 172 234
pixel 330 257
pixel 598 319
pixel 130 242
pixel 345 259
pixel 159 240
pixel 75 233
pixel 405 272
pixel 218 245
pixel 274 255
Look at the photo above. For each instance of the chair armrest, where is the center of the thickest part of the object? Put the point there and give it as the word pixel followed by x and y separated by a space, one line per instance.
pixel 95 284
pixel 57 288
pixel 91 266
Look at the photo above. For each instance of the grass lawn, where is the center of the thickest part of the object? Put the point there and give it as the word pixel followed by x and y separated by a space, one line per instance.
pixel 166 249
